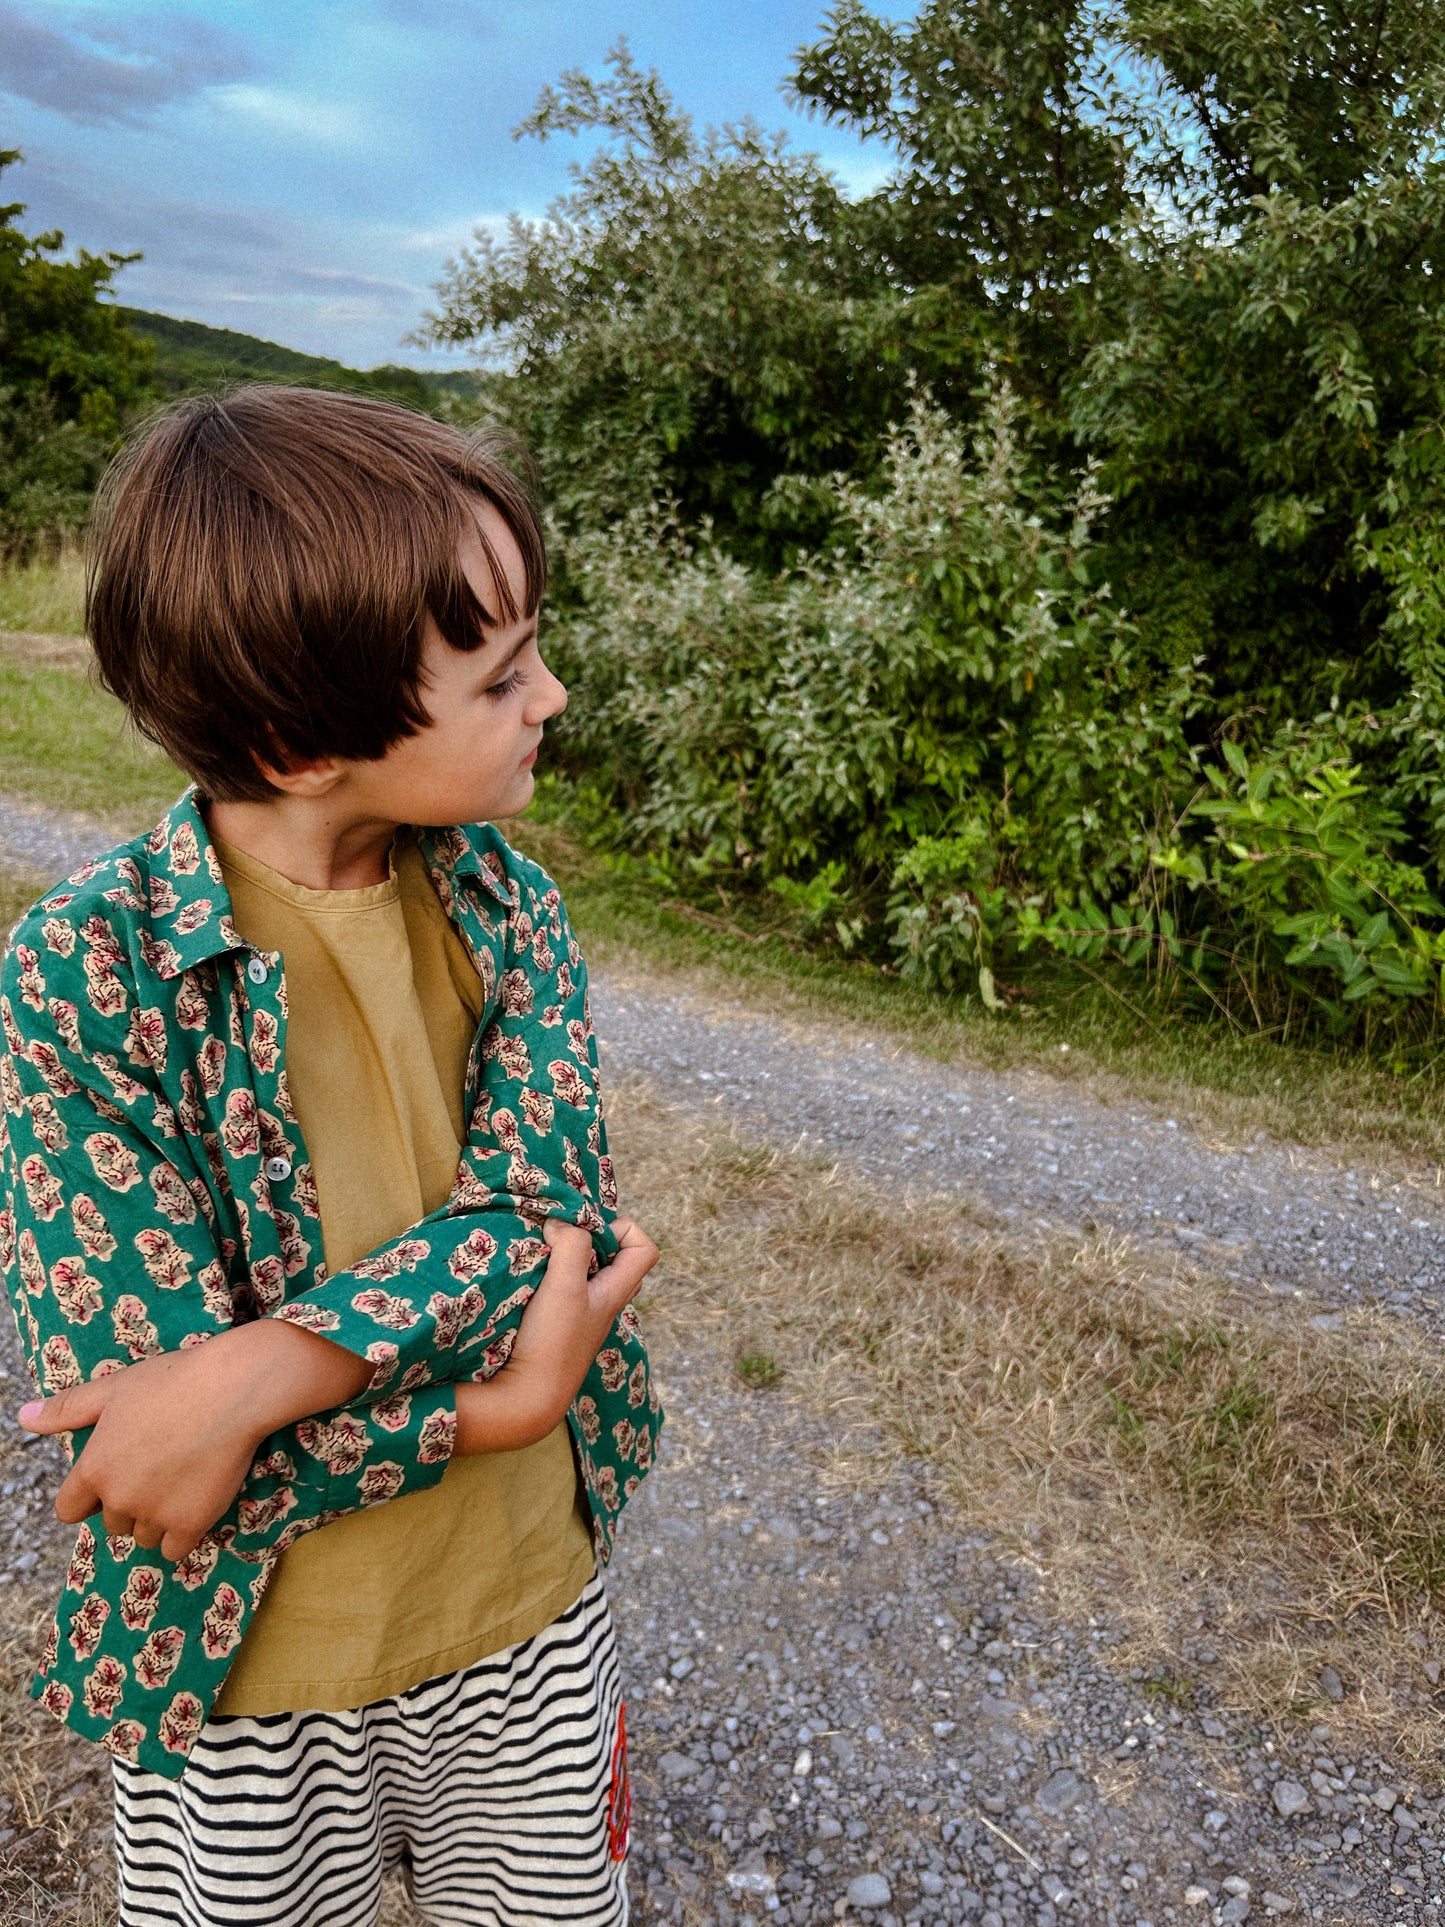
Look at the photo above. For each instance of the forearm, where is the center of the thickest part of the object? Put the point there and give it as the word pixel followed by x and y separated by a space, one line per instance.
pixel 500 1415
pixel 305 1376
pixel 279 1374
pixel 436 1304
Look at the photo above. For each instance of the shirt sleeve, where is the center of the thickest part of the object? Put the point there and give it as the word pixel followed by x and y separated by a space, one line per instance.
pixel 443 1300
pixel 111 1252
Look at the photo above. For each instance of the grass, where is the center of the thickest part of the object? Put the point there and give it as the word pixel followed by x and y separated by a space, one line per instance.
pixel 44 595
pixel 757 1370
pixel 1252 1497
pixel 66 744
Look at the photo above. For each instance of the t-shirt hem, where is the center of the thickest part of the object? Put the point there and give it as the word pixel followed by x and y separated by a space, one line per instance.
pixel 341 1696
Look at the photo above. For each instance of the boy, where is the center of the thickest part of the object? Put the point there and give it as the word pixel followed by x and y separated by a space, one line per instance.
pixel 290 1090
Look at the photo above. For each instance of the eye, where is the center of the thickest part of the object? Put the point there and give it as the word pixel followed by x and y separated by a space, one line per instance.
pixel 498 690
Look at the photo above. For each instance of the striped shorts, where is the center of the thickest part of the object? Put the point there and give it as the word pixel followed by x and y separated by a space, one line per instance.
pixel 499 1793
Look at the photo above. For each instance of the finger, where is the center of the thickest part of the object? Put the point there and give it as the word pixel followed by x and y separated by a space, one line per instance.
pixel 633 1237
pixel 178 1544
pixel 67 1411
pixel 557 1234
pixel 147 1533
pixel 120 1525
pixel 77 1499
pixel 639 1254
pixel 621 1281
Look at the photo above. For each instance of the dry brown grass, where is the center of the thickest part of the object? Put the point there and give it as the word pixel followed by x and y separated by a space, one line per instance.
pixel 55 1865
pixel 1209 1469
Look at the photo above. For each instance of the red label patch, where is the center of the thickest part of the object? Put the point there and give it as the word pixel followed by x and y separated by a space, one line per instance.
pixel 619 1794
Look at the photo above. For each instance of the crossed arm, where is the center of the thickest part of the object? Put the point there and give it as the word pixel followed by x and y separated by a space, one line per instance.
pixel 414 1335
pixel 174 1435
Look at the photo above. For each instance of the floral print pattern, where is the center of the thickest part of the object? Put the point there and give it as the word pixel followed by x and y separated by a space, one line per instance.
pixel 156 1190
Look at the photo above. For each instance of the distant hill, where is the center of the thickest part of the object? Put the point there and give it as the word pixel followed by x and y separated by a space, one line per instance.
pixel 190 356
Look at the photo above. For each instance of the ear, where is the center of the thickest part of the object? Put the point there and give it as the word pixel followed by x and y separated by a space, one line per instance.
pixel 315 778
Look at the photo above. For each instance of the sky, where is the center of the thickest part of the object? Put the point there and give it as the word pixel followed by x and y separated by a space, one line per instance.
pixel 303 171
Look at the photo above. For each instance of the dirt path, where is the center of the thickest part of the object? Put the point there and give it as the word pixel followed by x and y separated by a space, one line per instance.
pixel 1039 1150
pixel 846 1705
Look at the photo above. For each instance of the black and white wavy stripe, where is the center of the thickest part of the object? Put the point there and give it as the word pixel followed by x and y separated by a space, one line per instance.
pixel 489 1788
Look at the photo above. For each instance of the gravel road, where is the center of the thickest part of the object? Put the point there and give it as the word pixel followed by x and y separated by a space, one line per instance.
pixel 1039 1150
pixel 44 842
pixel 843 1705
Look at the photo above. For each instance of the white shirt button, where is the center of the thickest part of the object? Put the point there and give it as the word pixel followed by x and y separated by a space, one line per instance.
pixel 277 1169
pixel 256 970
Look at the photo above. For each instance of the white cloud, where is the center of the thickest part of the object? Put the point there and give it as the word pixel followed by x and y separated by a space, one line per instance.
pixel 452 235
pixel 334 123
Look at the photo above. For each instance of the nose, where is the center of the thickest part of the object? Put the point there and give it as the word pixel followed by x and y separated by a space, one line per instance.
pixel 551 697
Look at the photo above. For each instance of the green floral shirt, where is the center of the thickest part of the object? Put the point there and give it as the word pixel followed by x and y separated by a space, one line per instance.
pixel 156 1190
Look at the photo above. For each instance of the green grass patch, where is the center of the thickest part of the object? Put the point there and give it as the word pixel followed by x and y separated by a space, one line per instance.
pixel 65 743
pixel 758 1370
pixel 45 594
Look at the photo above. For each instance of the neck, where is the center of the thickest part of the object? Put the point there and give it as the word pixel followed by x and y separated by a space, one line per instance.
pixel 313 841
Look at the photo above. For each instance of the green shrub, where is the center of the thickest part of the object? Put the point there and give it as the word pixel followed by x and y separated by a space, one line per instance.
pixel 911 737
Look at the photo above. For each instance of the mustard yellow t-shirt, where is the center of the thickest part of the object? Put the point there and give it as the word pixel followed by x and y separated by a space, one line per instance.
pixel 383 1005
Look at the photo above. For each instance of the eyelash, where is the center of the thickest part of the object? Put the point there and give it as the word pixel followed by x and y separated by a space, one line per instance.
pixel 505 687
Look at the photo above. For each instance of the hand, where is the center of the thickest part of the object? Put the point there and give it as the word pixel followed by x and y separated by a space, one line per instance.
pixel 561 1333
pixel 175 1434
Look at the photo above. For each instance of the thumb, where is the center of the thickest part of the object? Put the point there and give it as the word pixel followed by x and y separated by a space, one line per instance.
pixel 68 1411
pixel 621 1280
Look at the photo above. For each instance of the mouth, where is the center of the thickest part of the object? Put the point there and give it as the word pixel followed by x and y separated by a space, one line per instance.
pixel 530 758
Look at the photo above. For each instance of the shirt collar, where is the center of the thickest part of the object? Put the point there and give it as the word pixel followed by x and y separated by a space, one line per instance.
pixel 190 906
pixel 466 850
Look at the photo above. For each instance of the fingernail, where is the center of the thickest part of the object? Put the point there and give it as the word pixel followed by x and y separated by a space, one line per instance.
pixel 29 1413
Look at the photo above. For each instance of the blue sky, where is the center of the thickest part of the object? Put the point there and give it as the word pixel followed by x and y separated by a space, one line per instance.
pixel 302 171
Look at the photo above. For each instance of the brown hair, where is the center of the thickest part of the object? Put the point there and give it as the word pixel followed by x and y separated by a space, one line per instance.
pixel 263 564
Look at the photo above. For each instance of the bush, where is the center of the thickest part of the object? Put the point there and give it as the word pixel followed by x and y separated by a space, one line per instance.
pixel 915 737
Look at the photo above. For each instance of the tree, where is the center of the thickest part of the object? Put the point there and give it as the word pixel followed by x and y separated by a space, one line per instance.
pixel 695 317
pixel 1203 243
pixel 70 373
pixel 1016 170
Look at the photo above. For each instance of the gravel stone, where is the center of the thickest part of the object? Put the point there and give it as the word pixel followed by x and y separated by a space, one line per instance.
pixel 1290 1798
pixel 869 1890
pixel 1061 1792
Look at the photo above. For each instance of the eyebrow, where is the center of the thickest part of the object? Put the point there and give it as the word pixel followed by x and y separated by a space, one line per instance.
pixel 513 653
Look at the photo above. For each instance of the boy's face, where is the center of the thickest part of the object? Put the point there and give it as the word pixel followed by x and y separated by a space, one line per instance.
pixel 474 759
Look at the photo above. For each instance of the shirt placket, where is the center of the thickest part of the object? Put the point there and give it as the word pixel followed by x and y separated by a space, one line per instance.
pixel 272 1173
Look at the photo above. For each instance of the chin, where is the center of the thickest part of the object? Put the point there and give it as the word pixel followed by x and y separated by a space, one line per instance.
pixel 497 809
